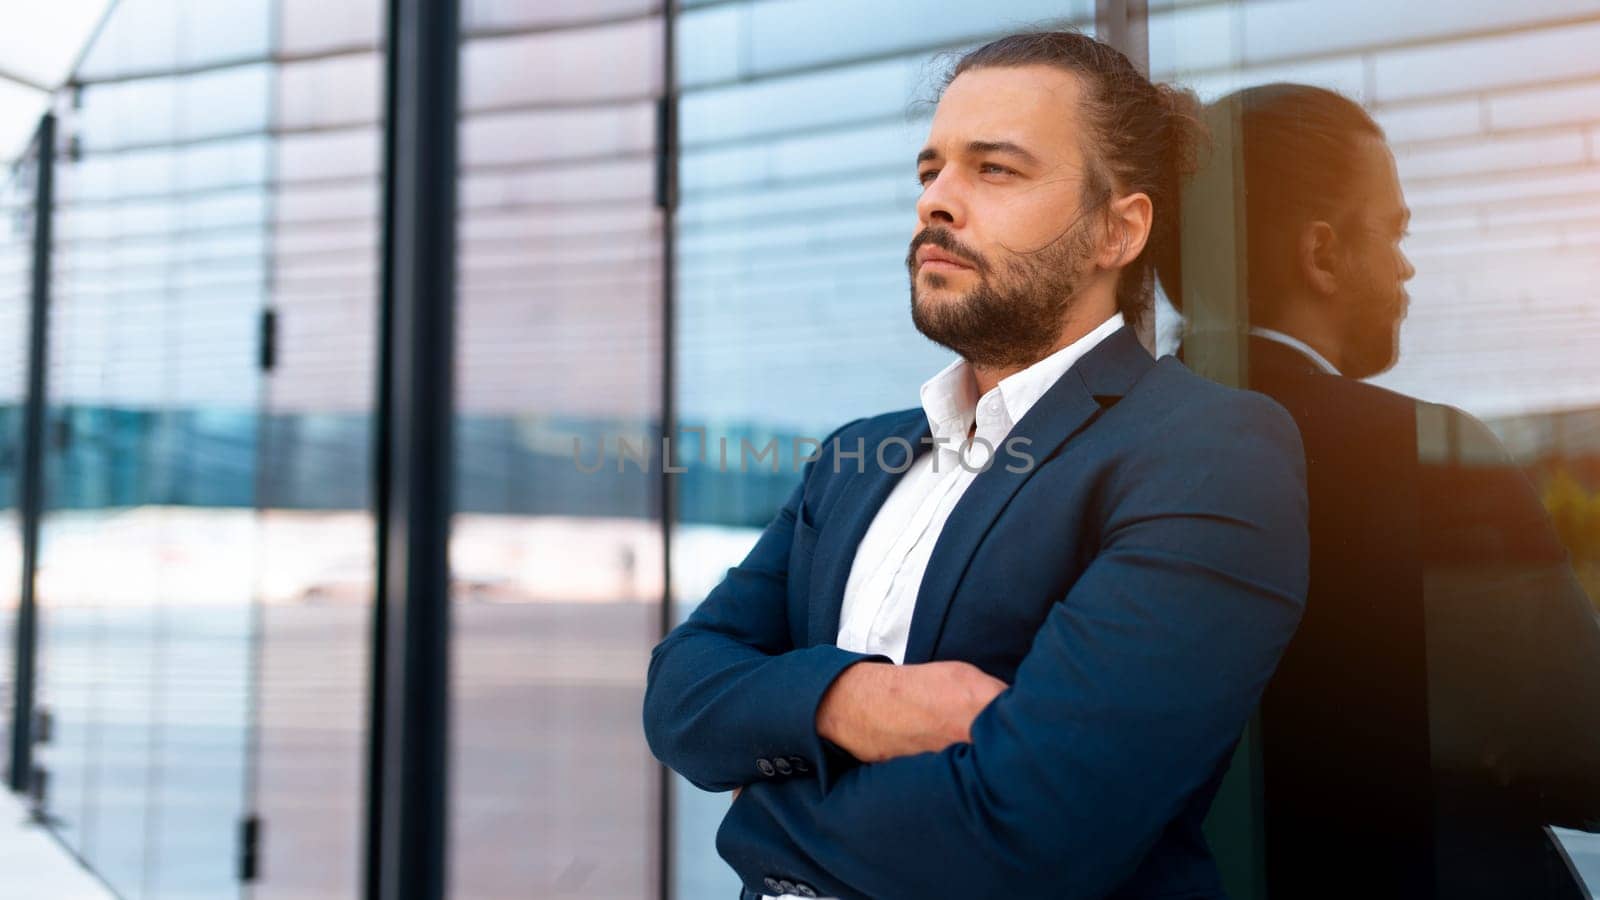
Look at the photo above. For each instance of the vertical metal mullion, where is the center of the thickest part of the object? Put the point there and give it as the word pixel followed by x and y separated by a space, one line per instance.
pixel 667 200
pixel 1125 25
pixel 377 662
pixel 410 790
pixel 32 474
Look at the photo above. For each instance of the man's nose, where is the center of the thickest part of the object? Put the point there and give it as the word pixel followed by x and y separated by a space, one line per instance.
pixel 942 202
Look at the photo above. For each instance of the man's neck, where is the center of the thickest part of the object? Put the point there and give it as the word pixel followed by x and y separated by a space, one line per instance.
pixel 1308 331
pixel 1075 329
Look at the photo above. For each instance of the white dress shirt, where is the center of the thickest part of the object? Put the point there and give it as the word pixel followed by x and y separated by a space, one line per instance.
pixel 881 591
pixel 1289 340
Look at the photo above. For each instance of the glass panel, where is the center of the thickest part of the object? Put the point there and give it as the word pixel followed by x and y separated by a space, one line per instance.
pixel 314 539
pixel 1396 242
pixel 150 36
pixel 557 574
pixel 147 564
pixel 311 26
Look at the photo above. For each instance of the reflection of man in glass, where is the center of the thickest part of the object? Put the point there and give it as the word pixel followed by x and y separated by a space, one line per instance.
pixel 1441 702
pixel 936 677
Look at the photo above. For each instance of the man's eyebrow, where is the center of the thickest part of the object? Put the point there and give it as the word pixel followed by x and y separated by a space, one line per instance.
pixel 978 147
pixel 1007 147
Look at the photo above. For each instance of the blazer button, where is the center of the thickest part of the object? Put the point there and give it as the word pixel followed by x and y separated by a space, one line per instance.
pixel 785 886
pixel 772 884
pixel 799 763
pixel 804 890
pixel 766 767
pixel 783 766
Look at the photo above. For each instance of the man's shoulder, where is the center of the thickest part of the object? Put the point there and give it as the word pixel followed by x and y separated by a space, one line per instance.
pixel 864 439
pixel 1171 395
pixel 1329 395
pixel 878 426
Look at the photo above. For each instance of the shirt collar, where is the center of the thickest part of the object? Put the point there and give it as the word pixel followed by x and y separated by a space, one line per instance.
pixel 1295 343
pixel 950 399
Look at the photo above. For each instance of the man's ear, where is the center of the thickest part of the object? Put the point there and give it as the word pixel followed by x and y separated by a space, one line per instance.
pixel 1316 256
pixel 1128 221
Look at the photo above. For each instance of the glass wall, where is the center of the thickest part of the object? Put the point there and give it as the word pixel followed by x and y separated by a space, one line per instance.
pixel 207 565
pixel 146 570
pixel 557 571
pixel 205 579
pixel 1409 199
pixel 315 536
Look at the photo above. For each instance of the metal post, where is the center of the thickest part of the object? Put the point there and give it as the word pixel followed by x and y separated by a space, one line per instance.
pixel 32 472
pixel 408 789
pixel 667 202
pixel 1124 24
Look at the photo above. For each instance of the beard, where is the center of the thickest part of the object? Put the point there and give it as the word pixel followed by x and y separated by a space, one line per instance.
pixel 1013 315
pixel 1372 341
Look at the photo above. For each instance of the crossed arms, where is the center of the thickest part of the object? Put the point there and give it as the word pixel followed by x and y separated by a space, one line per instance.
pixel 1126 706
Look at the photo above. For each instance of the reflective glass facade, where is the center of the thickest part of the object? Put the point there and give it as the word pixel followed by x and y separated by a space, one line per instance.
pixel 206 571
pixel 145 580
pixel 689 221
pixel 556 574
pixel 1465 495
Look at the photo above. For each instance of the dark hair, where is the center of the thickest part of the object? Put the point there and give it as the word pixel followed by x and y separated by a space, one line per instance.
pixel 1140 137
pixel 1299 153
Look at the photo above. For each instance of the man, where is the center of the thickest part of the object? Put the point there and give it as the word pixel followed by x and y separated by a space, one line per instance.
pixel 1003 645
pixel 1441 701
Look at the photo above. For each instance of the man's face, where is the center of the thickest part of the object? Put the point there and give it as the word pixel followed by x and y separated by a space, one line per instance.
pixel 1375 268
pixel 1003 240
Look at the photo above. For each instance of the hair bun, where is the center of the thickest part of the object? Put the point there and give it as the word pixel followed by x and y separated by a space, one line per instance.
pixel 1187 132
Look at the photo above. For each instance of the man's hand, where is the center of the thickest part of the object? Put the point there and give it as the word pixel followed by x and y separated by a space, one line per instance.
pixel 878 711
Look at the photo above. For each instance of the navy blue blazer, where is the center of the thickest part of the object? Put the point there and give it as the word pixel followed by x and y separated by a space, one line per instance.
pixel 1134 586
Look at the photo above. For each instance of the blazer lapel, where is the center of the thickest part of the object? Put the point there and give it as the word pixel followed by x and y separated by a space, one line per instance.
pixel 868 485
pixel 1108 370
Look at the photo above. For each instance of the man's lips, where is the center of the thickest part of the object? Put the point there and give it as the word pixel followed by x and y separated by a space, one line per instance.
pixel 934 258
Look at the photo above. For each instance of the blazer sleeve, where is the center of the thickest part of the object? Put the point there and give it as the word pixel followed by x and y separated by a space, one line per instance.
pixel 728 695
pixel 1130 700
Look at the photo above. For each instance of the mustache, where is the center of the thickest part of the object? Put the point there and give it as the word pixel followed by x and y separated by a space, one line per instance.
pixel 947 242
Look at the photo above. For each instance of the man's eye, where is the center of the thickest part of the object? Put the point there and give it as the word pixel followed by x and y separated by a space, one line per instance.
pixel 926 176
pixel 994 169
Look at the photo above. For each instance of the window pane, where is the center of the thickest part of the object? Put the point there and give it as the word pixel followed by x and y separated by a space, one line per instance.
pixel 206 578
pixel 556 573
pixel 1455 678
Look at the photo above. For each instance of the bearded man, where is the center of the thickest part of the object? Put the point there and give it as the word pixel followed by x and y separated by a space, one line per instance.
pixel 1003 644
